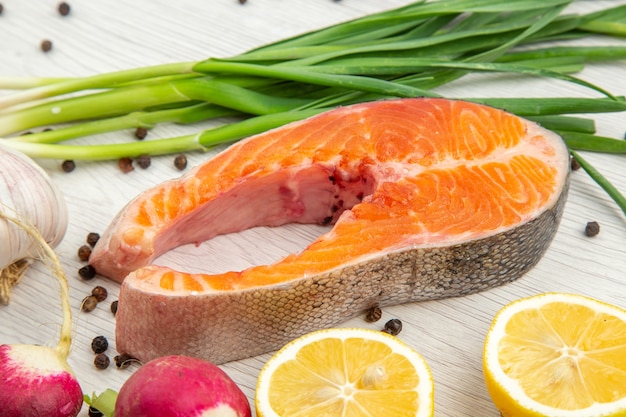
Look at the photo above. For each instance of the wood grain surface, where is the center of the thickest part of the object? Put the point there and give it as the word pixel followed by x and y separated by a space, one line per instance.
pixel 100 36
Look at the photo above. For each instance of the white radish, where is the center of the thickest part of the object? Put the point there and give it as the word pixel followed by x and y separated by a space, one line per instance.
pixel 27 192
pixel 36 380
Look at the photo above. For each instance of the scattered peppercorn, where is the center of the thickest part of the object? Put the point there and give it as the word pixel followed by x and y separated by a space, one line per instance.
pixel 100 293
pixel 393 327
pixel 242 1
pixel 63 8
pixel 1 8
pixel 94 412
pixel 574 164
pixel 89 303
pixel 84 252
pixel 141 133
pixel 126 165
pixel 92 238
pixel 46 45
pixel 114 307
pixel 68 165
pixel 180 162
pixel 101 361
pixel 123 360
pixel 374 314
pixel 99 344
pixel 87 272
pixel 143 161
pixel 592 229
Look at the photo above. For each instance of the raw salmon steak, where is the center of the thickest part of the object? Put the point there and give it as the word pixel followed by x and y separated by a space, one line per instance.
pixel 428 198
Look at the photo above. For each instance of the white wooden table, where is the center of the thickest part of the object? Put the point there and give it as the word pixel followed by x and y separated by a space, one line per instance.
pixel 101 36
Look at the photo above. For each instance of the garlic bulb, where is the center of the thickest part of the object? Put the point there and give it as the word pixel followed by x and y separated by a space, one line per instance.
pixel 26 192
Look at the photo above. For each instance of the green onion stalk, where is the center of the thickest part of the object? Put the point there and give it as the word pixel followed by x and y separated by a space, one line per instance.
pixel 409 51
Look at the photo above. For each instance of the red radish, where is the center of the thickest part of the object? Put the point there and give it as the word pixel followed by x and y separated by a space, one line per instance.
pixel 177 386
pixel 37 381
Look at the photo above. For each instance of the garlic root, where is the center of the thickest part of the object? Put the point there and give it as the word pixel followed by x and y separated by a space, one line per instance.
pixel 10 277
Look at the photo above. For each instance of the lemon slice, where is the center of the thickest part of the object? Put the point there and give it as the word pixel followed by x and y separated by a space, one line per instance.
pixel 557 355
pixel 345 372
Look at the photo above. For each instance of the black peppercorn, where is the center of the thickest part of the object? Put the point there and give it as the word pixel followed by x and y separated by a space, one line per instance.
pixel 574 164
pixel 99 344
pixel 63 8
pixel 114 307
pixel 46 45
pixel 144 161
pixel 374 314
pixel 180 162
pixel 87 272
pixel 84 252
pixel 68 165
pixel 89 303
pixel 123 360
pixel 1 8
pixel 92 239
pixel 100 293
pixel 393 327
pixel 101 361
pixel 93 412
pixel 592 229
pixel 141 133
pixel 126 165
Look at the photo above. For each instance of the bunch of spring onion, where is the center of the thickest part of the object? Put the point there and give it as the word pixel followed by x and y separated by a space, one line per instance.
pixel 405 52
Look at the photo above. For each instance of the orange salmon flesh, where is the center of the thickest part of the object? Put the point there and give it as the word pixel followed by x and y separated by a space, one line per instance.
pixel 392 177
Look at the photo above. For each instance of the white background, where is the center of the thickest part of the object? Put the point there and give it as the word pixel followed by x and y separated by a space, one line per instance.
pixel 101 36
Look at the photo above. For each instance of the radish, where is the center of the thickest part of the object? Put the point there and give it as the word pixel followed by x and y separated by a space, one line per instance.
pixel 36 380
pixel 177 386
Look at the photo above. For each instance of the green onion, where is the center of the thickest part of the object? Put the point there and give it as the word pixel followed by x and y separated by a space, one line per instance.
pixel 602 182
pixel 409 51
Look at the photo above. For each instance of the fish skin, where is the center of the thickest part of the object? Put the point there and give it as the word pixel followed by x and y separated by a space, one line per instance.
pixel 243 319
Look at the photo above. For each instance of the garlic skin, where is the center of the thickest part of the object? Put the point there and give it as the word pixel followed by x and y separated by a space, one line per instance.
pixel 27 192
